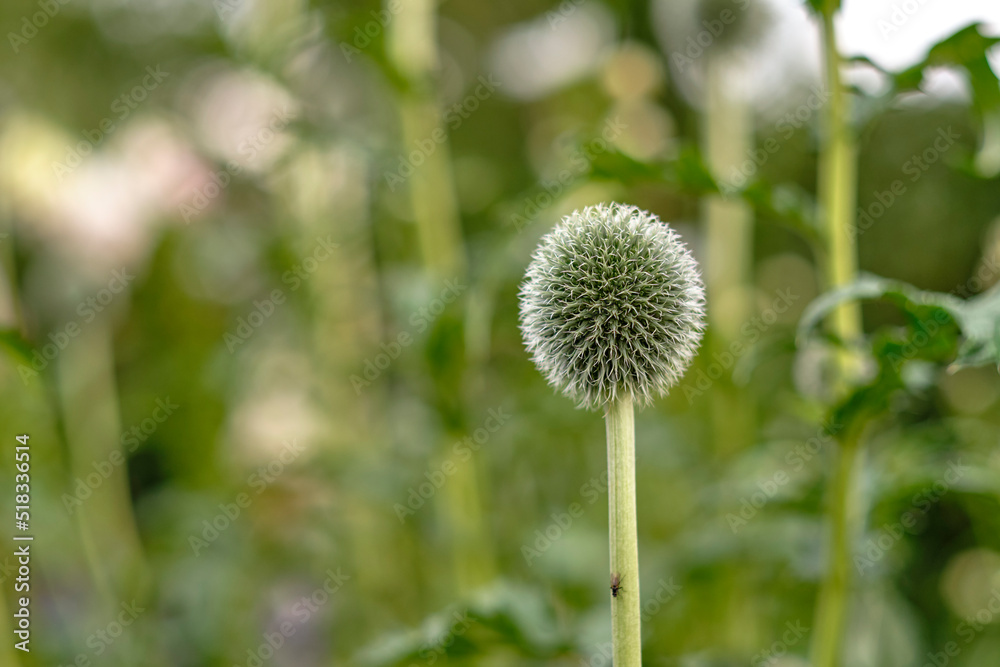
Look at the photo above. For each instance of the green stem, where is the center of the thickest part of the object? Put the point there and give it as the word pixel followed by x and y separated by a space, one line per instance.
pixel 413 51
pixel 625 630
pixel 838 192
pixel 729 220
pixel 108 529
pixel 838 196
pixel 729 252
pixel 831 608
pixel 412 48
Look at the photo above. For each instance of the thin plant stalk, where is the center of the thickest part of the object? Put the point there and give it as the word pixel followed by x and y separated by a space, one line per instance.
pixel 727 139
pixel 412 49
pixel 87 391
pixel 838 195
pixel 624 541
pixel 729 226
pixel 345 320
pixel 832 605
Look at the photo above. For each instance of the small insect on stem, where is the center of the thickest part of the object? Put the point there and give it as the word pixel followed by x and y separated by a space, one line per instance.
pixel 616 585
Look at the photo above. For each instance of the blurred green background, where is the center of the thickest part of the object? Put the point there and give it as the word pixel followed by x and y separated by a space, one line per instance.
pixel 260 268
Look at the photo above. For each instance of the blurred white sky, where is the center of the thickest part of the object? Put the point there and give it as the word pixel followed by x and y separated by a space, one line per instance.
pixel 897 33
pixel 567 43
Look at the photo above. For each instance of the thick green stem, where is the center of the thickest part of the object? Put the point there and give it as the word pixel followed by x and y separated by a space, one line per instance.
pixel 838 195
pixel 625 631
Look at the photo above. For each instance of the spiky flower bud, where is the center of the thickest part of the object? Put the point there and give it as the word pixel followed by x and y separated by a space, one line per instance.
pixel 612 306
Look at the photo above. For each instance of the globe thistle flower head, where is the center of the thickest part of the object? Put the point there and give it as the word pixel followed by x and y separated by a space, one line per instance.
pixel 612 306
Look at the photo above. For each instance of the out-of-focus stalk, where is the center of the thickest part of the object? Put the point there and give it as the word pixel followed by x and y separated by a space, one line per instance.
pixel 729 223
pixel 727 139
pixel 838 194
pixel 412 49
pixel 86 387
pixel 343 294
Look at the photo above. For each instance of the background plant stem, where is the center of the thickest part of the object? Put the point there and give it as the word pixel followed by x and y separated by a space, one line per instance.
pixel 625 630
pixel 838 196
pixel 413 50
pixel 831 608
pixel 727 139
pixel 729 223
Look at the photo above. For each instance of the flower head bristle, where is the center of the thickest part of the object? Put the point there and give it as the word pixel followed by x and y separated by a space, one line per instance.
pixel 612 306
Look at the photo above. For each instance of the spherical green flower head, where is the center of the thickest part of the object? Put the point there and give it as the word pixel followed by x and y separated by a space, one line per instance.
pixel 612 306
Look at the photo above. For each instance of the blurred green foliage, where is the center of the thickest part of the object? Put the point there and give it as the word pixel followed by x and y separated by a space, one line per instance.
pixel 228 547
